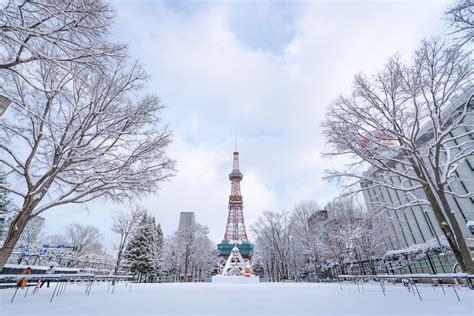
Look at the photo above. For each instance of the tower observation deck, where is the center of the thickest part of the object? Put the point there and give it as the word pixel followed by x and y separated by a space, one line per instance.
pixel 235 232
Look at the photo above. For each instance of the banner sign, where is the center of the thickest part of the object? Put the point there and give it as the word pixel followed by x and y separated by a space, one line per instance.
pixel 44 250
pixel 60 250
pixel 26 251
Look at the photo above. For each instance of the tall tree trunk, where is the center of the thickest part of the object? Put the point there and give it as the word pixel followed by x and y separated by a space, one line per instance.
pixel 186 272
pixel 372 266
pixel 455 239
pixel 342 269
pixel 117 263
pixel 14 232
pixel 460 241
pixel 448 232
pixel 316 272
pixel 267 269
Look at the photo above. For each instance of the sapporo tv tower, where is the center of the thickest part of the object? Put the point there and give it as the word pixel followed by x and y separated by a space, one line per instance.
pixel 235 233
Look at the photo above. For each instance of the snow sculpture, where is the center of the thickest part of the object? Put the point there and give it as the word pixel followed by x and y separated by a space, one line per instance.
pixel 235 264
pixel 248 271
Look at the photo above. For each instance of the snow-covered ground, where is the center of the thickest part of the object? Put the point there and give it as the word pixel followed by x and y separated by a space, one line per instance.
pixel 238 299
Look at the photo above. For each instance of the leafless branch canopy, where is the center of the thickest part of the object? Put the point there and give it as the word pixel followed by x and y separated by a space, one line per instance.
pixel 461 17
pixel 408 126
pixel 86 239
pixel 87 134
pixel 79 126
pixel 55 32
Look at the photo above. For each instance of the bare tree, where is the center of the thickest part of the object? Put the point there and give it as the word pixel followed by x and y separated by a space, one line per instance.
pixel 408 129
pixel 33 231
pixel 190 241
pixel 125 225
pixel 189 252
pixel 84 238
pixel 273 246
pixel 461 17
pixel 171 257
pixel 307 233
pixel 77 129
pixel 206 260
pixel 357 233
pixel 31 237
pixel 92 139
pixel 370 238
pixel 54 32
pixel 304 243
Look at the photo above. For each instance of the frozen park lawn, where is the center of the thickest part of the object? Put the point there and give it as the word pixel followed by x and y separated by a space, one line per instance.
pixel 238 299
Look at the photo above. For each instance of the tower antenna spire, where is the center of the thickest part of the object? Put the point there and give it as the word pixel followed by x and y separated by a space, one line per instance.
pixel 235 140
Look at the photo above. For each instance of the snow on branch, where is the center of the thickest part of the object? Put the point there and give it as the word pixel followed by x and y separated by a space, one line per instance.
pixel 94 137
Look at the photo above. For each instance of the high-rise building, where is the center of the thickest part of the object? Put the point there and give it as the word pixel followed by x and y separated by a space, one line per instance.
pixel 186 220
pixel 235 233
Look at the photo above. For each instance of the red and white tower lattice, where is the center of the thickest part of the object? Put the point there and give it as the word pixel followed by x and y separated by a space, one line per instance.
pixel 235 229
pixel 235 232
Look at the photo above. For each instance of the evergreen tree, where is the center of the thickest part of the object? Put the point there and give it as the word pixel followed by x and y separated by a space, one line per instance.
pixel 144 250
pixel 136 253
pixel 156 247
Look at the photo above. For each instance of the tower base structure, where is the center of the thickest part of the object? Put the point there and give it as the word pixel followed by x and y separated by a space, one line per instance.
pixel 225 248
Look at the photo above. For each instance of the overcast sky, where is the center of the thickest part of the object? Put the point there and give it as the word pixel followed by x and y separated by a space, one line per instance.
pixel 264 72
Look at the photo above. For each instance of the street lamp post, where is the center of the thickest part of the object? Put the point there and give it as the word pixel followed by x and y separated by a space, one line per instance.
pixel 4 103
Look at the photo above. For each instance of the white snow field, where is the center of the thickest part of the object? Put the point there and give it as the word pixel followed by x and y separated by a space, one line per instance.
pixel 220 279
pixel 239 299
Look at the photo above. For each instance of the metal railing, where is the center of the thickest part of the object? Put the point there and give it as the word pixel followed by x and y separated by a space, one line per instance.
pixel 62 280
pixel 410 281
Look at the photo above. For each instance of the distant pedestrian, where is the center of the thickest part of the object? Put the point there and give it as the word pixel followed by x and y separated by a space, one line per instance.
pixel 22 282
pixel 407 284
pixel 50 271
